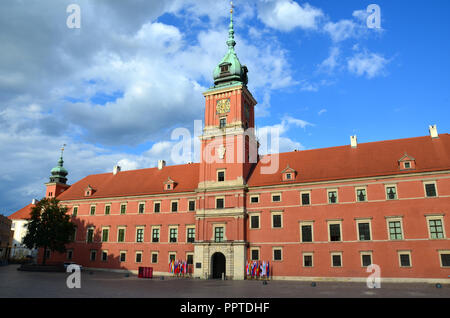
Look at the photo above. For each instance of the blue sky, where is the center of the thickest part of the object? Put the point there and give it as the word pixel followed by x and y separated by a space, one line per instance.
pixel 115 89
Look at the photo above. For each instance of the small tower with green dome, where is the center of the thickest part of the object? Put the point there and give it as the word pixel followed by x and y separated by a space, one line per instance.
pixel 58 178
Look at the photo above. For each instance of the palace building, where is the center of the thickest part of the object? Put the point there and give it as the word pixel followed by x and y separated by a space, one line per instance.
pixel 319 214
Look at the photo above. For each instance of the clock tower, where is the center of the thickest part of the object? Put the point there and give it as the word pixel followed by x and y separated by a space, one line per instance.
pixel 228 154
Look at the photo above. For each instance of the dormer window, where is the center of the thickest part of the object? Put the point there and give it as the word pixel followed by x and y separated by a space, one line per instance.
pixel 225 68
pixel 169 184
pixel 407 165
pixel 288 174
pixel 407 162
pixel 89 191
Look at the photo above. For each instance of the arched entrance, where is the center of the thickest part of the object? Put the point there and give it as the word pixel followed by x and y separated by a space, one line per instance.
pixel 217 265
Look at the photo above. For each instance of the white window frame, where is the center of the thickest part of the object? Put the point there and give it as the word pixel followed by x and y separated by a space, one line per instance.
pixel 90 209
pixel 312 259
pixel 358 221
pixel 276 194
pixel 124 233
pixel 435 217
pixel 258 214
pixel 140 227
pixel 440 252
pixel 192 226
pixel 160 206
pixel 75 207
pixel 224 175
pixel 357 197
pixel 139 205
pixel 168 234
pixel 395 219
pixel 157 257
pixel 120 256
pixel 362 253
pixel 273 253
pixel 272 214
pixel 306 223
pixel 136 254
pixel 109 230
pixel 425 188
pixel 178 206
pixel 337 195
pixel 101 256
pixel 402 252
pixel 255 249
pixel 254 196
pixel 175 255
pixel 224 225
pixel 331 259
pixel 386 186
pixel 195 205
pixel 123 204
pixel 218 198
pixel 301 199
pixel 331 222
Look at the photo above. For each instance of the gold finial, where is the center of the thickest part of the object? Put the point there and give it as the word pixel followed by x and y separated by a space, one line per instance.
pixel 232 7
pixel 62 149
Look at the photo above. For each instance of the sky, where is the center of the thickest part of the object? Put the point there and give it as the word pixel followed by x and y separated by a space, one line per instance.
pixel 114 89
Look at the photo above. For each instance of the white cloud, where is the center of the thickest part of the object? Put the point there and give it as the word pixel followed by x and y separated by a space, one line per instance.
pixel 331 62
pixel 321 112
pixel 286 15
pixel 366 63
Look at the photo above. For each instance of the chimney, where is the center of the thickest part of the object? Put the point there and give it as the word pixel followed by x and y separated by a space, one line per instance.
pixel 433 131
pixel 116 170
pixel 161 164
pixel 354 141
pixel 33 201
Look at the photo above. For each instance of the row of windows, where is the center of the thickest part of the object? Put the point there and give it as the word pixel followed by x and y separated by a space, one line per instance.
pixel 141 208
pixel 336 259
pixel 364 228
pixel 361 194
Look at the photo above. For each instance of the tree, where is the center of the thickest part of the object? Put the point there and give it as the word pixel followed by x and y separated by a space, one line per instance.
pixel 49 227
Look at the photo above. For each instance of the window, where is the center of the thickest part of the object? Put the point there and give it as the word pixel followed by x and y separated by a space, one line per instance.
pixel 121 235
pixel 277 220
pixel 138 257
pixel 306 200
pixel 172 256
pixel 104 256
pixel 74 234
pixel 391 192
pixel 404 258
pixel 332 197
pixel 105 235
pixel 75 211
pixel 223 122
pixel 444 257
pixel 254 221
pixel 288 176
pixel 174 206
pixel 307 260
pixel 141 208
pixel 173 235
pixel 123 256
pixel 69 254
pixel 107 209
pixel 306 231
pixel 139 235
pixel 93 255
pixel 366 259
pixel 276 197
pixel 254 254
pixel 190 259
pixel 154 257
pixel 335 232
pixel 92 210
pixel 220 176
pixel 168 187
pixel 254 199
pixel 436 228
pixel 90 235
pixel 363 230
pixel 192 205
pixel 155 235
pixel 361 195
pixel 123 208
pixel 191 234
pixel 277 254
pixel 157 207
pixel 407 165
pixel 218 234
pixel 220 203
pixel 336 259
pixel 224 68
pixel 395 230
pixel 430 190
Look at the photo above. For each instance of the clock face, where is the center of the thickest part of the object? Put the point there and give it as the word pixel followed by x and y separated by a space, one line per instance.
pixel 223 106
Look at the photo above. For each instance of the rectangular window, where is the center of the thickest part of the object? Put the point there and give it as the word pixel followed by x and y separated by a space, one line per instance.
pixel 335 232
pixel 191 235
pixel 223 122
pixel 254 199
pixel 75 211
pixel 138 257
pixel 336 260
pixel 366 259
pixel 172 256
pixel 107 209
pixel 361 195
pixel 155 236
pixel 190 259
pixel 220 203
pixel 332 197
pixel 154 258
pixel 174 206
pixel 218 234
pixel 306 233
pixel 69 254
pixel 405 259
pixel 445 259
pixel 254 222
pixel 395 230
pixel 123 208
pixel 92 210
pixel 391 193
pixel 141 208
pixel 364 231
pixel 430 189
pixel 276 221
pixel 139 235
pixel 307 260
pixel 157 207
pixel 276 197
pixel 123 256
pixel 104 256
pixel 277 254
pixel 436 229
pixel 306 199
pixel 192 205
pixel 121 235
pixel 255 254
pixel 173 235
pixel 105 235
pixel 93 255
pixel 90 235
pixel 221 176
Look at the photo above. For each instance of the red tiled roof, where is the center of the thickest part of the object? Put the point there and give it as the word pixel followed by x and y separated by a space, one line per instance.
pixel 135 182
pixel 367 160
pixel 22 214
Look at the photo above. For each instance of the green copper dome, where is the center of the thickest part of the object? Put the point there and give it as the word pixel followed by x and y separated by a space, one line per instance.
pixel 59 173
pixel 230 70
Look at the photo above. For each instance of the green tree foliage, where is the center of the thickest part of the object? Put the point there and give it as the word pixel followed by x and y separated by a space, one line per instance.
pixel 49 227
